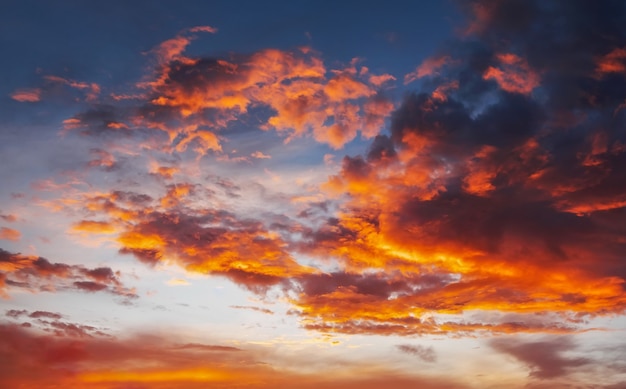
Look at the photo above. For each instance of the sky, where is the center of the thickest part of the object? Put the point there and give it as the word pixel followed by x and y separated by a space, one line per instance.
pixel 313 194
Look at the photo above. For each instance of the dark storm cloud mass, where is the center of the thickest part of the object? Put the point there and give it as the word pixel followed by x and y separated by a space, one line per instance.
pixel 534 172
pixel 512 158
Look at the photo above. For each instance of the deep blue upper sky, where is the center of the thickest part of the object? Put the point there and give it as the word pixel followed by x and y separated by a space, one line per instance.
pixel 96 41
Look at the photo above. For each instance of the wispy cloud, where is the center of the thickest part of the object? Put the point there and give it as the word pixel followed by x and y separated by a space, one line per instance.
pixel 10 234
pixel 101 361
pixel 27 95
pixel 37 274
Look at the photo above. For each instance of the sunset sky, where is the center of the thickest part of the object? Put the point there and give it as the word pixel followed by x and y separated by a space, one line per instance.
pixel 313 194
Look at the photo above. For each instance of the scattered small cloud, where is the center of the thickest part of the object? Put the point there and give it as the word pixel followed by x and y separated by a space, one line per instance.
pixel 26 95
pixel 426 354
pixel 10 234
pixel 178 282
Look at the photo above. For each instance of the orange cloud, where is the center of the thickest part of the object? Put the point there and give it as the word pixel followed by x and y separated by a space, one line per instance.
pixel 177 282
pixel 246 255
pixel 377 109
pixel 92 89
pixel 478 213
pixel 429 67
pixel 166 172
pixel 433 226
pixel 10 234
pixel 441 92
pixel 176 193
pixel 419 281
pixel 209 93
pixel 260 155
pixel 8 218
pixel 26 95
pixel 202 141
pixel 208 29
pixel 191 99
pixel 94 227
pixel 613 62
pixel 381 79
pixel 344 87
pixel 343 130
pixel 101 158
pixel 171 48
pixel 482 13
pixel 204 241
pixel 455 211
pixel 478 180
pixel 514 75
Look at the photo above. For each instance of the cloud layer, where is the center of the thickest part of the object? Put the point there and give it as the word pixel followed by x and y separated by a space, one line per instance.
pixel 488 199
pixel 498 187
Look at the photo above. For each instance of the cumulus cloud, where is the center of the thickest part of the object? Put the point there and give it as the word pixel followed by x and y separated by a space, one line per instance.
pixel 27 95
pixel 190 100
pixel 488 184
pixel 178 227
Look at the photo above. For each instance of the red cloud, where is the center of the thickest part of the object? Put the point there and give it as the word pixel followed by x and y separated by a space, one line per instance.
pixel 92 89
